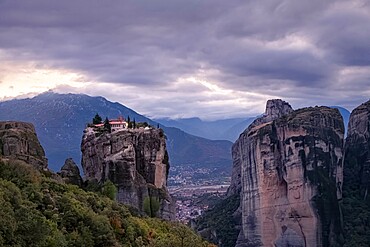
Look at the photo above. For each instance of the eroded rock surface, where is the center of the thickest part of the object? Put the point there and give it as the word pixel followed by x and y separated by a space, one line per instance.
pixel 356 184
pixel 291 176
pixel 135 160
pixel 71 173
pixel 357 149
pixel 275 108
pixel 18 140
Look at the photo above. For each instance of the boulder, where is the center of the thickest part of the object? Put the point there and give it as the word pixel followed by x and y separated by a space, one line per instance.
pixel 71 173
pixel 18 140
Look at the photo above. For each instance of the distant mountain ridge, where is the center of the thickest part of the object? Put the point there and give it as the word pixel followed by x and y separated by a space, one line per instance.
pixel 59 120
pixel 224 129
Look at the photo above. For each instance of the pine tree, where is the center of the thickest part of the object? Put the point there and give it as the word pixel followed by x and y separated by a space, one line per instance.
pixel 129 122
pixel 107 125
pixel 97 119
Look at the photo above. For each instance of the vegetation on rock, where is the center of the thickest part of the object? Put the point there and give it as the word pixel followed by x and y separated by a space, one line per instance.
pixel 97 119
pixel 109 190
pixel 151 205
pixel 107 125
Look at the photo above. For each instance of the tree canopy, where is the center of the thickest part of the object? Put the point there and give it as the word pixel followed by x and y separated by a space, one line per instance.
pixel 37 210
pixel 97 119
pixel 107 125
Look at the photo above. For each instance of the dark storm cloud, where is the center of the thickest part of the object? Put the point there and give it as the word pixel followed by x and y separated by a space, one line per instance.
pixel 290 49
pixel 132 42
pixel 298 66
pixel 344 33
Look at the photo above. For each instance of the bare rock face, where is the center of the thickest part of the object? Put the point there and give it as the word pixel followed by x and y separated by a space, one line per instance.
pixel 291 177
pixel 275 108
pixel 357 150
pixel 136 161
pixel 70 173
pixel 18 140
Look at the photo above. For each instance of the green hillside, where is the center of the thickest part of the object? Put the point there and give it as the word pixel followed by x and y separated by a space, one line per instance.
pixel 36 209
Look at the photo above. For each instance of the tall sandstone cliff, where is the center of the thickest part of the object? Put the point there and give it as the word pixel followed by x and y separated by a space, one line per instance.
pixel 357 149
pixel 356 184
pixel 136 161
pixel 290 168
pixel 18 140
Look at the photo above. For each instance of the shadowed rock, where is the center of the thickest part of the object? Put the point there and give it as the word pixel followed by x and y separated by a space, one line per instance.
pixel 70 173
pixel 356 184
pixel 18 140
pixel 357 149
pixel 136 161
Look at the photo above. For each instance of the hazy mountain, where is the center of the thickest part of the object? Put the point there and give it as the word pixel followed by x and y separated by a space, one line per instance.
pixel 60 119
pixel 345 114
pixel 225 129
pixel 235 130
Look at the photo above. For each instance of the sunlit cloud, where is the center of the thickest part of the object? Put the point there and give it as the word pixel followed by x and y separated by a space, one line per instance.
pixel 28 80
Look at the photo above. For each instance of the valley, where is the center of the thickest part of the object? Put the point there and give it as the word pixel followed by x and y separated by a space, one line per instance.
pixel 197 178
pixel 195 162
pixel 196 188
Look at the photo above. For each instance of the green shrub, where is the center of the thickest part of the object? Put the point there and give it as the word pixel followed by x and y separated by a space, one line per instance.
pixel 151 206
pixel 109 190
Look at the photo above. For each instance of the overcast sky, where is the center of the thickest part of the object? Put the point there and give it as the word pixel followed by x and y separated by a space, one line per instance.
pixel 183 58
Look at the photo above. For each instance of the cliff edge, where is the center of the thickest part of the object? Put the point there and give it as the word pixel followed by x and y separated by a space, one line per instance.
pixel 356 184
pixel 357 149
pixel 136 161
pixel 18 140
pixel 289 165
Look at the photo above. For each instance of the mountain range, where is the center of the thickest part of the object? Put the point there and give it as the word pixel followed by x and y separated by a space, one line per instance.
pixel 60 119
pixel 224 129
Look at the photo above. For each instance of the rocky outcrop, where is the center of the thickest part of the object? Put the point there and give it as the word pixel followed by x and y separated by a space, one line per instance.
pixel 356 183
pixel 136 161
pixel 290 166
pixel 275 108
pixel 357 150
pixel 71 173
pixel 18 140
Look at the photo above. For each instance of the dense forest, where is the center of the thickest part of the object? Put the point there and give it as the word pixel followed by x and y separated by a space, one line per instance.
pixel 38 209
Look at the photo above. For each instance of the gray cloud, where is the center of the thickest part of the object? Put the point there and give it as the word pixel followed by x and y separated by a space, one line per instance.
pixel 300 51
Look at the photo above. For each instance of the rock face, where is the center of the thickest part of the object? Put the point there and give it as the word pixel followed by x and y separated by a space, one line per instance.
pixel 356 184
pixel 70 173
pixel 136 161
pixel 18 140
pixel 275 108
pixel 357 150
pixel 290 165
